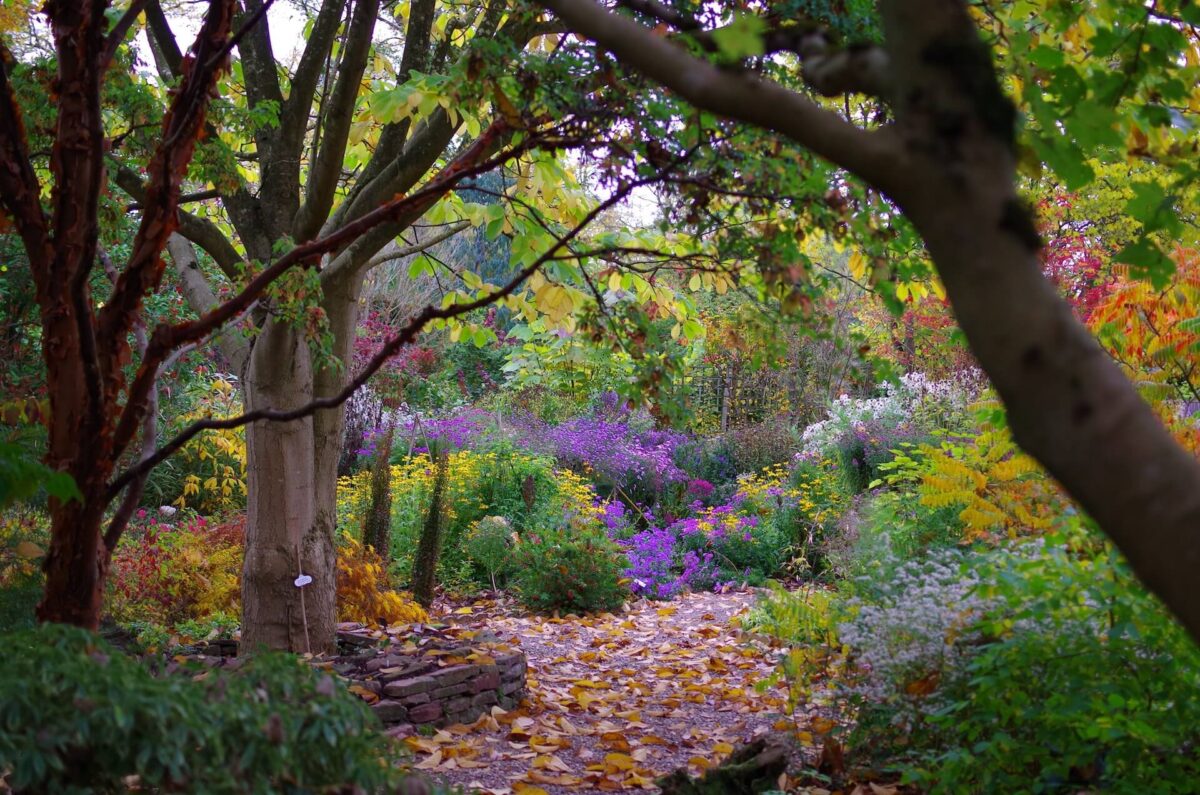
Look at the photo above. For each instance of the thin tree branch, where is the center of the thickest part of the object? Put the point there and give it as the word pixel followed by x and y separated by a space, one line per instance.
pixel 393 138
pixel 324 172
pixel 876 156
pixel 406 336
pixel 187 198
pixel 181 128
pixel 308 73
pixel 240 204
pixel 117 34
pixel 20 190
pixel 418 247
pixel 200 296
pixel 133 491
pixel 159 32
pixel 418 153
pixel 201 231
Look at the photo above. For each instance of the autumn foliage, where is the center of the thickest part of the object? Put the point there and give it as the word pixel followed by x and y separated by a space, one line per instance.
pixel 1155 333
pixel 363 592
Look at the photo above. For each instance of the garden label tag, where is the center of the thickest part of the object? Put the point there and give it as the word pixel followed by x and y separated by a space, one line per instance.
pixel 303 580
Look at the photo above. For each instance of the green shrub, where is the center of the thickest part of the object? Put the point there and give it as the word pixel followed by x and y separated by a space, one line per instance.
pixel 574 570
pixel 1047 668
pixel 489 545
pixel 1086 683
pixel 77 716
pixel 753 554
pixel 19 596
pixel 805 617
pixel 886 527
pixel 479 484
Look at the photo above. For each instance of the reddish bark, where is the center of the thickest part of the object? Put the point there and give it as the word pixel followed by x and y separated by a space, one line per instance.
pixel 84 353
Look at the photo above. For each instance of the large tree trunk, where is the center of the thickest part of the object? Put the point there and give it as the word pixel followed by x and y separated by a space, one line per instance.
pixel 292 485
pixel 284 538
pixel 77 561
pixel 76 566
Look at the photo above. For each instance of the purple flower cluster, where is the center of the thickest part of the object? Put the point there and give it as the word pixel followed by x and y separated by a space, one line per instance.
pixel 654 568
pixel 370 441
pixel 652 564
pixel 457 431
pixel 612 450
pixel 614 516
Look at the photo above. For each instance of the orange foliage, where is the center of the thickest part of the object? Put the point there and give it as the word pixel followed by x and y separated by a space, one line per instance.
pixel 363 592
pixel 1155 334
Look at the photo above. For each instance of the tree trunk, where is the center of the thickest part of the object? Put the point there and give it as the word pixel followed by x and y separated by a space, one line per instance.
pixel 424 576
pixel 77 562
pixel 76 567
pixel 284 538
pixel 378 525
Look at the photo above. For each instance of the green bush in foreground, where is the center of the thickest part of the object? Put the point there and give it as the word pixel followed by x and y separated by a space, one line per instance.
pixel 1042 668
pixel 77 716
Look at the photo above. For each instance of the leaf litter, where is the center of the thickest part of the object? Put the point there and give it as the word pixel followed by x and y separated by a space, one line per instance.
pixel 615 700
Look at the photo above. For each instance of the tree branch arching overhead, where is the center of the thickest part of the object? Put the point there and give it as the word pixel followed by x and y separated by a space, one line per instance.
pixel 949 162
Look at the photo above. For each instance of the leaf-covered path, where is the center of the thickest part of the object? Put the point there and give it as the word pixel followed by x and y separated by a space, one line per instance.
pixel 614 700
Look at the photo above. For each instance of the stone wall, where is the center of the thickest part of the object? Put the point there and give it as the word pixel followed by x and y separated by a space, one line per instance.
pixel 423 693
pixel 439 681
pixel 435 676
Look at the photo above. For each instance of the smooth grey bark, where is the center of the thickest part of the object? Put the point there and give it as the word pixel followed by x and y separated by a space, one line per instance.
pixel 948 161
pixel 196 291
pixel 292 467
pixel 283 537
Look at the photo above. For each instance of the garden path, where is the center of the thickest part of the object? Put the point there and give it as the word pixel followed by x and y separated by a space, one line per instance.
pixel 614 700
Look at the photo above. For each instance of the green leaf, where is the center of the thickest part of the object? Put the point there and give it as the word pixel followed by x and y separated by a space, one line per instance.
pixel 1066 160
pixel 1152 206
pixel 420 266
pixel 1148 261
pixel 742 38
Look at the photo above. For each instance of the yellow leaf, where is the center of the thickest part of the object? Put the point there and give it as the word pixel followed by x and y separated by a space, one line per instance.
pixel 433 761
pixel 619 761
pixel 366 695
pixel 28 549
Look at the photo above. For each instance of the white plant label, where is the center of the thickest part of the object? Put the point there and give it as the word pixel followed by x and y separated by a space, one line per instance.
pixel 303 580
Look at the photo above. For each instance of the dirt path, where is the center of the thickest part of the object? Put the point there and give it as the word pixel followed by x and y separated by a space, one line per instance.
pixel 614 701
